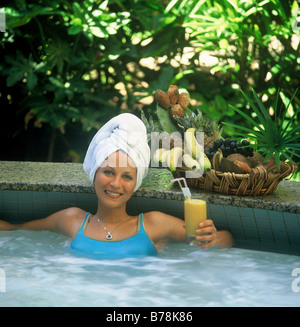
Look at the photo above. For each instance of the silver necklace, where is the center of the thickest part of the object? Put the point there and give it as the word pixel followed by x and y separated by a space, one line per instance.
pixel 109 236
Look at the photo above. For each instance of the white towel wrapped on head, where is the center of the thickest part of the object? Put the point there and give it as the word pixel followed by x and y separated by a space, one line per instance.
pixel 124 132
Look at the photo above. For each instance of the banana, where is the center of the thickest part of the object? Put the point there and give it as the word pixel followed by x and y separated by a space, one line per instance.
pixel 204 162
pixel 173 157
pixel 207 163
pixel 216 160
pixel 190 162
pixel 193 147
pixel 160 155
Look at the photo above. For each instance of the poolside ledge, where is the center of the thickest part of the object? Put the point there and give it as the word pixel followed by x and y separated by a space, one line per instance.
pixel 70 177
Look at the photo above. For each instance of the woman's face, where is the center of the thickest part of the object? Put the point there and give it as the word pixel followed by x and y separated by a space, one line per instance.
pixel 115 180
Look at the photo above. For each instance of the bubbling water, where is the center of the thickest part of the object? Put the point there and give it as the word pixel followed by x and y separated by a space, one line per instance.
pixel 40 271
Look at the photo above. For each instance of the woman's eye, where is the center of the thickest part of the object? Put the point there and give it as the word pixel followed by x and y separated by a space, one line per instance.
pixel 128 177
pixel 107 172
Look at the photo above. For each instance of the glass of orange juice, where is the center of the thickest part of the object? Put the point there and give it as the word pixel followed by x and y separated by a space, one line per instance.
pixel 194 212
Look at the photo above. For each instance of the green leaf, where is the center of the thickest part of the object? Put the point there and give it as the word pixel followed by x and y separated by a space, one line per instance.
pixel 288 137
pixel 98 32
pixel 294 115
pixel 277 159
pixel 253 106
pixel 75 29
pixel 32 81
pixel 16 19
pixel 15 77
pixel 268 119
pixel 181 75
pixel 269 154
pixel 165 120
pixel 248 118
pixel 245 129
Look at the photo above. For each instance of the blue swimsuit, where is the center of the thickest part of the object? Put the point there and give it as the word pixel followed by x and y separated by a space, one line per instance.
pixel 134 246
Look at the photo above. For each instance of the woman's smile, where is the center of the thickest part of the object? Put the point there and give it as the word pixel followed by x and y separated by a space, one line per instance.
pixel 112 194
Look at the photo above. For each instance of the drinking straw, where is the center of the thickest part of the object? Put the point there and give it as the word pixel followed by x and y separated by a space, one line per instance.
pixel 185 190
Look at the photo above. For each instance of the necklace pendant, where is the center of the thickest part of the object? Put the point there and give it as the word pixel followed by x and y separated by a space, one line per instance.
pixel 108 236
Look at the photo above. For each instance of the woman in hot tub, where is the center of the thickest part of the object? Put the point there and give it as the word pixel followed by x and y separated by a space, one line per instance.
pixel 116 162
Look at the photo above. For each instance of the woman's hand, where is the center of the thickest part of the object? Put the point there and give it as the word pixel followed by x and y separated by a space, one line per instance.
pixel 207 233
pixel 220 239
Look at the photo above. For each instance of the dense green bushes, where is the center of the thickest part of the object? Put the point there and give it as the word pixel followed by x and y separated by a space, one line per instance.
pixel 68 66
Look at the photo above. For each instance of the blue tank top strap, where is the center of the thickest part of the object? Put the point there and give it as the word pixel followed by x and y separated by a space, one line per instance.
pixel 83 223
pixel 141 225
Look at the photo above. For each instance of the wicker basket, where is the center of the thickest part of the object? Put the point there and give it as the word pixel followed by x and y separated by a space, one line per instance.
pixel 259 181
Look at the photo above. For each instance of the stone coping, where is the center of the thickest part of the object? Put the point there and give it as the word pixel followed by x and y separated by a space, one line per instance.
pixel 70 177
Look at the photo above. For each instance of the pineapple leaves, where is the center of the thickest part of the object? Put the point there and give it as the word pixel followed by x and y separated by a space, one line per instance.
pixel 276 136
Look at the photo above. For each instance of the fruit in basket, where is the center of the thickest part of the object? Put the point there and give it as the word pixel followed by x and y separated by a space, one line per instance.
pixel 216 160
pixel 184 100
pixel 173 94
pixel 162 99
pixel 193 147
pixel 230 146
pixel 173 157
pixel 207 163
pixel 243 166
pixel 176 110
pixel 239 157
pixel 256 160
pixel 177 103
pixel 181 118
pixel 238 167
pixel 160 155
pixel 190 162
pixel 236 164
pixel 165 140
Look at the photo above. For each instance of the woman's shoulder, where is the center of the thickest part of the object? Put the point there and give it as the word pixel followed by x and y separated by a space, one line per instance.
pixel 158 216
pixel 153 216
pixel 163 226
pixel 161 219
pixel 71 220
pixel 74 212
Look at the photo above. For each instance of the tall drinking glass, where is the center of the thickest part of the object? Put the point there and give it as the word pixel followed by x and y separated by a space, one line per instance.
pixel 194 213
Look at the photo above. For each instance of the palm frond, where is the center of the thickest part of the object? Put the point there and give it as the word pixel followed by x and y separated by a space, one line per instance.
pixel 255 109
pixel 248 130
pixel 294 115
pixel 262 108
pixel 248 118
pixel 271 138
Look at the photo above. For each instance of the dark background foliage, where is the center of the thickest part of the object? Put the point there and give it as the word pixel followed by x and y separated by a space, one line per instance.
pixel 67 67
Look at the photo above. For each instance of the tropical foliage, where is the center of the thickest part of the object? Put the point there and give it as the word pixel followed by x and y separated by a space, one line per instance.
pixel 66 67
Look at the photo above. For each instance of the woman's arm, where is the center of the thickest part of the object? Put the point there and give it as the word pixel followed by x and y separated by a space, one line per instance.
pixel 166 228
pixel 4 225
pixel 66 222
pixel 163 228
